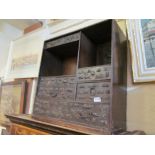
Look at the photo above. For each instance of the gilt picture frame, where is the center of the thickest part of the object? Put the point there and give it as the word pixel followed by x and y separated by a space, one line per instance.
pixel 141 34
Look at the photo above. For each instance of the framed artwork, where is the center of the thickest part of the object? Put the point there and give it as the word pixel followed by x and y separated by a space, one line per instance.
pixel 12 98
pixel 141 33
pixel 25 55
pixel 31 93
pixel 31 87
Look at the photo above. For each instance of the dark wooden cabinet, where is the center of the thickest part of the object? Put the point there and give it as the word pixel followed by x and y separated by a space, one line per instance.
pixel 83 79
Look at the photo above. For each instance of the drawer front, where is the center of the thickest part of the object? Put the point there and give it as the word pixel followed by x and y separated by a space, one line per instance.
pixel 94 92
pixel 94 73
pixel 46 82
pixel 49 81
pixel 90 114
pixel 88 106
pixel 87 114
pixel 51 92
pixel 57 88
pixel 66 88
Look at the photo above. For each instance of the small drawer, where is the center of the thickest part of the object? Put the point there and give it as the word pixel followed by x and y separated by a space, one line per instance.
pixel 94 92
pixel 96 115
pixel 94 73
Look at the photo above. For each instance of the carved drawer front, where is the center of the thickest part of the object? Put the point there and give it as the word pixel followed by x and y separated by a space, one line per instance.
pixel 94 92
pixel 66 89
pixel 90 114
pixel 46 81
pixel 51 91
pixel 47 87
pixel 58 109
pixel 94 73
pixel 57 88
pixel 66 79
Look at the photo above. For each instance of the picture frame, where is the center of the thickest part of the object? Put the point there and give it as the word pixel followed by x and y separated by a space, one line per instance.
pixel 142 46
pixel 25 55
pixel 31 87
pixel 12 99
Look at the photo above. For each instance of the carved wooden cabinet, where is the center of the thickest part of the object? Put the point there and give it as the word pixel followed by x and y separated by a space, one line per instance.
pixel 82 80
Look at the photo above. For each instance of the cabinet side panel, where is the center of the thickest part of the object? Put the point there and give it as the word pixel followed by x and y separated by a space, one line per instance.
pixel 119 82
pixel 87 52
pixel 50 65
